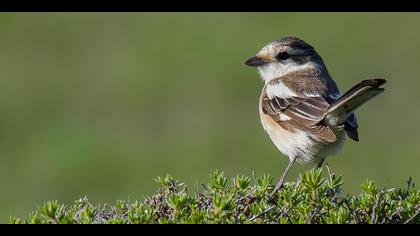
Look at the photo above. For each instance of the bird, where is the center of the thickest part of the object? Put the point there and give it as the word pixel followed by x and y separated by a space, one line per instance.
pixel 300 106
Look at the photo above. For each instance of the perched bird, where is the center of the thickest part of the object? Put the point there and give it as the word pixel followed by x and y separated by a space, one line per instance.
pixel 301 107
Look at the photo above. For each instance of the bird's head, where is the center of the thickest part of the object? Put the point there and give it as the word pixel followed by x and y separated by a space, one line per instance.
pixel 283 56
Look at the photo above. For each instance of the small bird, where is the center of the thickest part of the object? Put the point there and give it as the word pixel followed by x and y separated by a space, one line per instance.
pixel 301 107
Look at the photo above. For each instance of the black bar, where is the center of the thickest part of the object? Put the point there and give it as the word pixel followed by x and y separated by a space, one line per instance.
pixel 209 6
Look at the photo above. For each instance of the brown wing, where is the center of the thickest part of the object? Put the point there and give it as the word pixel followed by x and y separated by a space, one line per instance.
pixel 303 113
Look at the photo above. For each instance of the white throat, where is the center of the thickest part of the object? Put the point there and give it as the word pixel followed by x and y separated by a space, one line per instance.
pixel 275 70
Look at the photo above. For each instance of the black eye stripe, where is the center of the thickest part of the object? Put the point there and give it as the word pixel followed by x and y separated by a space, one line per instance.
pixel 283 56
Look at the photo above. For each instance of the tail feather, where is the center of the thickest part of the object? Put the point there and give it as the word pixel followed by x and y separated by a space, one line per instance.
pixel 353 99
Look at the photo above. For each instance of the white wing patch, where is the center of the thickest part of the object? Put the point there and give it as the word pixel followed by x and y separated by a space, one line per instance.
pixel 282 91
pixel 284 117
pixel 279 90
pixel 310 94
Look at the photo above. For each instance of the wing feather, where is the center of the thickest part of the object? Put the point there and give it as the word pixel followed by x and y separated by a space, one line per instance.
pixel 305 113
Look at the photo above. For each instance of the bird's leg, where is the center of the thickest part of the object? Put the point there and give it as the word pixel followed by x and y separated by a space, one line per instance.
pixel 281 181
pixel 320 163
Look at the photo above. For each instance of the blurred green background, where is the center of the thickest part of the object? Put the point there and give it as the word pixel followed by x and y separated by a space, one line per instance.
pixel 102 103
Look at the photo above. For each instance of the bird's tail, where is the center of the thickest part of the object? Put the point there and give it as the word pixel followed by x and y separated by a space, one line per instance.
pixel 354 98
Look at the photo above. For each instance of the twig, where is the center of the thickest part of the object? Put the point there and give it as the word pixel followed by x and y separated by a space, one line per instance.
pixel 397 211
pixel 237 211
pixel 262 213
pixel 329 172
pixel 373 219
pixel 247 195
pixel 413 216
pixel 312 215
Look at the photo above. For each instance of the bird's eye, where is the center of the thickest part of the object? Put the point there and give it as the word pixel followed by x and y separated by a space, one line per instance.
pixel 282 56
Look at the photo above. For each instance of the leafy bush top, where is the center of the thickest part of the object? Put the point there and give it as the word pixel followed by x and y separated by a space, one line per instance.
pixel 311 199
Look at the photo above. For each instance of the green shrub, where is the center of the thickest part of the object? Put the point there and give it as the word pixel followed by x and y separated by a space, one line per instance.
pixel 311 199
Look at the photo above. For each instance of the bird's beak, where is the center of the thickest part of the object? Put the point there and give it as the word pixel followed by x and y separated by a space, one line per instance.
pixel 256 61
